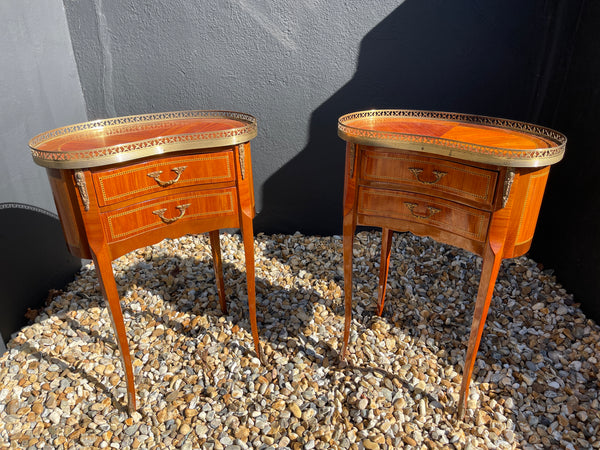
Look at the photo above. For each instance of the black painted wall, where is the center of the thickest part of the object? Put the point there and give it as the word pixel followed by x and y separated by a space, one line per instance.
pixel 34 260
pixel 489 58
pixel 568 234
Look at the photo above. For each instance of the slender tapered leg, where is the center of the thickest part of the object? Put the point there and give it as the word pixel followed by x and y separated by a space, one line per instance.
pixel 384 265
pixel 102 262
pixel 246 214
pixel 248 237
pixel 349 229
pixel 492 259
pixel 215 246
pixel 350 192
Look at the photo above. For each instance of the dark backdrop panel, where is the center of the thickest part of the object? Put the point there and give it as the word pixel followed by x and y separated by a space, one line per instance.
pixel 34 260
pixel 568 234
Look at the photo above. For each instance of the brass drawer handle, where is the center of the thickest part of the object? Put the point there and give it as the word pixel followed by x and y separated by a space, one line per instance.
pixel 156 175
pixel 161 213
pixel 431 209
pixel 417 173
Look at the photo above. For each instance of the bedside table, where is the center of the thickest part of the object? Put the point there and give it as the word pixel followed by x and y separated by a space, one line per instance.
pixel 124 183
pixel 469 181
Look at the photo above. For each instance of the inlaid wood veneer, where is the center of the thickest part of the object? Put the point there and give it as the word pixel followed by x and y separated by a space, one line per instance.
pixel 470 181
pixel 128 182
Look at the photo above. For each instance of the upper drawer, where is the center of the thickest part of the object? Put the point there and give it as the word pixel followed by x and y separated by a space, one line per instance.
pixel 115 185
pixel 467 184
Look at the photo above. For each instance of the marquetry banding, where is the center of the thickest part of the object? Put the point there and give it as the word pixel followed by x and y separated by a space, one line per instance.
pixel 481 215
pixel 158 223
pixel 488 175
pixel 533 184
pixel 149 187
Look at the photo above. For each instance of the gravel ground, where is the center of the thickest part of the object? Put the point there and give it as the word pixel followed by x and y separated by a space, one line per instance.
pixel 199 385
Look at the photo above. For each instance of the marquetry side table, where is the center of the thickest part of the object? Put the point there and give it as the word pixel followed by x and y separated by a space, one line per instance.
pixel 469 181
pixel 128 182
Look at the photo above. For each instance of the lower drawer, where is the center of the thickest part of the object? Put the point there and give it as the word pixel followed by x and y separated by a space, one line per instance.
pixel 163 212
pixel 456 218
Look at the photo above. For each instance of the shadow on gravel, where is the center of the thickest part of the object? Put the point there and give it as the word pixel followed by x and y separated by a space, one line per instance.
pixel 532 332
pixel 66 368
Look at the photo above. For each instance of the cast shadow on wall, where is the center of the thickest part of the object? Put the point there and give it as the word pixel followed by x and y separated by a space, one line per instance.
pixel 35 259
pixel 432 55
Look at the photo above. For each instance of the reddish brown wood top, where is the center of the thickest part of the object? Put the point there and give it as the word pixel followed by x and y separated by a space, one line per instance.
pixel 100 137
pixel 109 141
pixel 473 138
pixel 457 131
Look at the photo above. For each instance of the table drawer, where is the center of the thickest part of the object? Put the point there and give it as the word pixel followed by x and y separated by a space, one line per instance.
pixel 173 209
pixel 468 184
pixel 446 215
pixel 115 185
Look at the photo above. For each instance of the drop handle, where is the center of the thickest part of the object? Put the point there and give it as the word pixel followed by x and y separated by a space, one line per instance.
pixel 156 176
pixel 430 209
pixel 438 174
pixel 161 213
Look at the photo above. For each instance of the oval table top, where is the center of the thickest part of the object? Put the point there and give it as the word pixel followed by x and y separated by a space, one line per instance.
pixel 468 137
pixel 109 141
